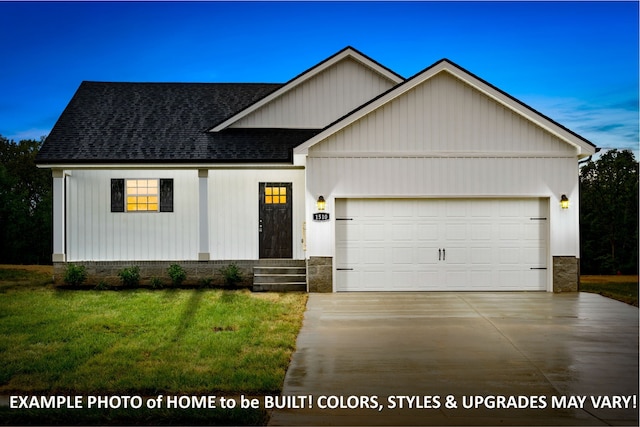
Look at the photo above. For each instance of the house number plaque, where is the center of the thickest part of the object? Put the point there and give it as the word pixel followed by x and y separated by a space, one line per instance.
pixel 321 216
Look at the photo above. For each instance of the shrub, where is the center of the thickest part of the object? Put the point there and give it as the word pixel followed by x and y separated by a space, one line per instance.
pixel 130 276
pixel 232 274
pixel 156 283
pixel 206 282
pixel 102 286
pixel 75 274
pixel 177 274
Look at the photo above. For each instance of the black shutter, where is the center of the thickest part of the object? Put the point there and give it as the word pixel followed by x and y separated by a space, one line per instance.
pixel 166 195
pixel 117 195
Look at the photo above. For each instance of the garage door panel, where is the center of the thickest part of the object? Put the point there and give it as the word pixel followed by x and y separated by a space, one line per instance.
pixel 455 231
pixel 481 232
pixel 427 232
pixel 510 256
pixel 481 256
pixel 534 257
pixel 458 280
pixel 490 244
pixel 373 232
pixel 456 208
pixel 401 256
pixel 427 256
pixel 373 256
pixel 402 232
pixel 532 277
pixel 509 231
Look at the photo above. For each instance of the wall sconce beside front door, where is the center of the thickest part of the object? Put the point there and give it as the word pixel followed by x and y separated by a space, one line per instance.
pixel 564 202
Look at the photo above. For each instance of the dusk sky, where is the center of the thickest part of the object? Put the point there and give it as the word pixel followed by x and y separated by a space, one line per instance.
pixel 576 62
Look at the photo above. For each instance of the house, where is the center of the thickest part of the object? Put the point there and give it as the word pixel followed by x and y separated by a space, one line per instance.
pixel 371 181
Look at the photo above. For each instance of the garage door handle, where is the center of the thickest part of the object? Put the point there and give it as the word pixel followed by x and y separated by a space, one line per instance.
pixel 444 254
pixel 439 254
pixel 344 269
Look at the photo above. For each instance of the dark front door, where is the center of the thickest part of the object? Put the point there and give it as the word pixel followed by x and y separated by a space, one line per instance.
pixel 276 223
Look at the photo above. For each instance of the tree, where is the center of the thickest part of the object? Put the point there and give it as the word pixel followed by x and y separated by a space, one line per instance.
pixel 25 204
pixel 609 214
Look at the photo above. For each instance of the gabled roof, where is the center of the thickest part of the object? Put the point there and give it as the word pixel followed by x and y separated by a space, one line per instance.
pixel 163 122
pixel 583 146
pixel 348 52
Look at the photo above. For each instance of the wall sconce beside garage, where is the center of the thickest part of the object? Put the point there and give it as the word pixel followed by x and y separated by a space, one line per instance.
pixel 321 204
pixel 564 202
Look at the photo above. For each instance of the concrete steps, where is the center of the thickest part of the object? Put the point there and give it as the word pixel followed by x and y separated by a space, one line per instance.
pixel 280 279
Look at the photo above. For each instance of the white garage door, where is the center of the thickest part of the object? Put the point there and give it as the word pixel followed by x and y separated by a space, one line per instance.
pixel 441 244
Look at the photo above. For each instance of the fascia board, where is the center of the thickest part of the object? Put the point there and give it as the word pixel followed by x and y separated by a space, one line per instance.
pixel 345 53
pixel 165 166
pixel 583 147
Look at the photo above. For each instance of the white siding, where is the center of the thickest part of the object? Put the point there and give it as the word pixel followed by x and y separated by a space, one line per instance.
pixel 442 177
pixel 444 139
pixel 233 210
pixel 321 99
pixel 94 233
pixel 446 177
pixel 443 115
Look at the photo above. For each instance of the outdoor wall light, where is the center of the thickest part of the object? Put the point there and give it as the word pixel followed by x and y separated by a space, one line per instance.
pixel 564 202
pixel 321 204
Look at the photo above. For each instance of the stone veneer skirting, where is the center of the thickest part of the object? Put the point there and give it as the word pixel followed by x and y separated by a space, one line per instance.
pixel 566 274
pixel 107 271
pixel 320 274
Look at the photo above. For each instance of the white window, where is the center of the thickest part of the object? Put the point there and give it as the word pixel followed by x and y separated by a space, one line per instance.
pixel 142 195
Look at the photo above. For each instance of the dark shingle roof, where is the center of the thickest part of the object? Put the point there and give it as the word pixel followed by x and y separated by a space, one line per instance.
pixel 164 122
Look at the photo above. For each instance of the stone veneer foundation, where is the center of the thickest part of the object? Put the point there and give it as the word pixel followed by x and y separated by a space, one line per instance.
pixel 107 271
pixel 566 271
pixel 566 274
pixel 320 274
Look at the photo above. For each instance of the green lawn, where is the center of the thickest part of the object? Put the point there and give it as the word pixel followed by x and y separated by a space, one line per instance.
pixel 142 342
pixel 621 288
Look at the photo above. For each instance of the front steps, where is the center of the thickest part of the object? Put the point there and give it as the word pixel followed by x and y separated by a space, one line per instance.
pixel 280 279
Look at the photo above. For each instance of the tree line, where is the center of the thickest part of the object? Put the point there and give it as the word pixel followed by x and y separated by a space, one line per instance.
pixel 609 214
pixel 25 204
pixel 608 209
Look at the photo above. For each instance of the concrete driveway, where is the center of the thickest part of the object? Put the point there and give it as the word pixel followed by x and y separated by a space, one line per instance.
pixel 502 358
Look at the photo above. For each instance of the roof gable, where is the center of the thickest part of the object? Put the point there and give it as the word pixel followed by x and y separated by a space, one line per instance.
pixel 582 146
pixel 306 100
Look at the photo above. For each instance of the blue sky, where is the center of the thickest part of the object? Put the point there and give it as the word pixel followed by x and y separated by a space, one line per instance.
pixel 576 62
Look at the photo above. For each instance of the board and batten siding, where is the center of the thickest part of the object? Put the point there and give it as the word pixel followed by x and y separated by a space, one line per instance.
pixel 444 139
pixel 94 233
pixel 233 210
pixel 320 100
pixel 446 178
pixel 443 115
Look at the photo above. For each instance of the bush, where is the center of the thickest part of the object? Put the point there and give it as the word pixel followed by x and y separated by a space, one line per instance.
pixel 206 282
pixel 75 274
pixel 156 283
pixel 232 274
pixel 130 276
pixel 177 274
pixel 102 286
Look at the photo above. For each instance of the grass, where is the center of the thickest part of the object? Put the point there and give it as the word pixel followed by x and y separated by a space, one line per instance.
pixel 141 342
pixel 621 288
